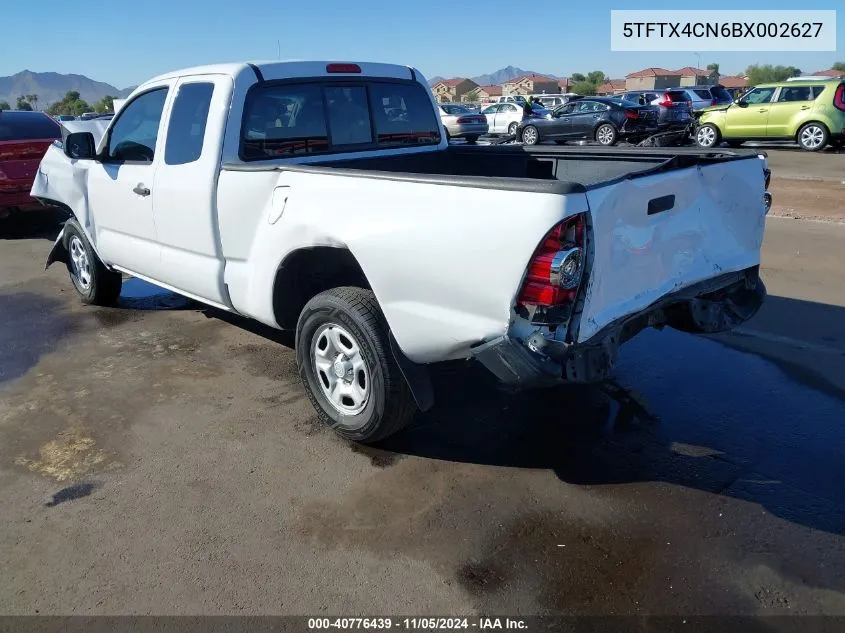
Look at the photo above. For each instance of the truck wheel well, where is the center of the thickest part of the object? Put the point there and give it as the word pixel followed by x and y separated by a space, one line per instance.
pixel 308 272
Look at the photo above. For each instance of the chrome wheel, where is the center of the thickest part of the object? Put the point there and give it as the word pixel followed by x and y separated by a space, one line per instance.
pixel 706 136
pixel 530 135
pixel 79 262
pixel 341 370
pixel 512 127
pixel 605 135
pixel 812 137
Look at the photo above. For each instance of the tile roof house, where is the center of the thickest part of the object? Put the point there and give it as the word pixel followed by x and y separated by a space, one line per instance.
pixel 733 81
pixel 530 84
pixel 489 92
pixel 612 87
pixel 835 74
pixel 657 78
pixel 451 90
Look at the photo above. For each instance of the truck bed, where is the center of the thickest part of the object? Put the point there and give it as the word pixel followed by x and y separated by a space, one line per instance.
pixel 545 169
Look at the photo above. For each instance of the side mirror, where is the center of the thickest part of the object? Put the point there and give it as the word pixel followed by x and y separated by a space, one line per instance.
pixel 80 146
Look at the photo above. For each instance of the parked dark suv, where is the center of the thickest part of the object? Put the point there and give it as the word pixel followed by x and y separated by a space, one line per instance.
pixel 675 106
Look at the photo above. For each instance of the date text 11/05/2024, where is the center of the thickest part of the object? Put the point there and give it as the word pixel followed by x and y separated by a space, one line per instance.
pixel 417 624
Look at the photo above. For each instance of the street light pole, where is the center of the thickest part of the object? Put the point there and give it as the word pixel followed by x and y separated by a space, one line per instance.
pixel 698 58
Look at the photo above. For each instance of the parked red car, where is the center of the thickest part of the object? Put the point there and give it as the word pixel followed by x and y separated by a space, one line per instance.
pixel 24 138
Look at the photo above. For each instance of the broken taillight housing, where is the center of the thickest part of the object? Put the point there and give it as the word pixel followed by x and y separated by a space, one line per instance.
pixel 554 273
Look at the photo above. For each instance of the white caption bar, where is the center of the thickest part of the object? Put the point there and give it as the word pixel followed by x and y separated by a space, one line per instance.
pixel 699 31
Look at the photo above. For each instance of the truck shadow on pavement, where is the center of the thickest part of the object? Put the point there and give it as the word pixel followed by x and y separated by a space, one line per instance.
pixel 685 411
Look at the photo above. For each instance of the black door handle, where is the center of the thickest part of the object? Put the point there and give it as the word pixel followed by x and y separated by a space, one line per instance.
pixel 141 190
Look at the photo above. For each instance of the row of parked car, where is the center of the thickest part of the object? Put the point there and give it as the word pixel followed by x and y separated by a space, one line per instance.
pixel 809 111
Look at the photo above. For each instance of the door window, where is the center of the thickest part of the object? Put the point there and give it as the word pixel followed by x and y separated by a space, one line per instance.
pixel 491 110
pixel 759 95
pixel 186 129
pixel 134 133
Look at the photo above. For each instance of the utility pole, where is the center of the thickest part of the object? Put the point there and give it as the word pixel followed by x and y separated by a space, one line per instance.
pixel 279 48
pixel 698 64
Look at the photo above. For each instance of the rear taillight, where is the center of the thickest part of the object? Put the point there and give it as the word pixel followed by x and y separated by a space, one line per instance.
pixel 839 97
pixel 666 102
pixel 632 114
pixel 554 273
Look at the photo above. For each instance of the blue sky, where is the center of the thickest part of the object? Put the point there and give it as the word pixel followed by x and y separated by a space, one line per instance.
pixel 126 43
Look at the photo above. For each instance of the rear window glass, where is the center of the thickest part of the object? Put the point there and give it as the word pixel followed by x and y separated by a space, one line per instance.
pixel 703 94
pixel 26 127
pixel 677 96
pixel 294 119
pixel 403 115
pixel 721 94
pixel 455 109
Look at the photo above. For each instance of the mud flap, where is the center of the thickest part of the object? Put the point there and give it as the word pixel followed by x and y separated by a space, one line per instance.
pixel 59 251
pixel 417 377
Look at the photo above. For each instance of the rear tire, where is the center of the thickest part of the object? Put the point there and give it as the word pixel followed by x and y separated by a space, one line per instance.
pixel 347 367
pixel 472 138
pixel 95 284
pixel 606 135
pixel 812 137
pixel 512 128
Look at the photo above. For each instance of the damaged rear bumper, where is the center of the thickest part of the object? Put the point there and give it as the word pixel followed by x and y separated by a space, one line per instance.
pixel 531 356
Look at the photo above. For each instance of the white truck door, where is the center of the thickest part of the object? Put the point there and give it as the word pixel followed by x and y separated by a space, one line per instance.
pixel 120 185
pixel 185 187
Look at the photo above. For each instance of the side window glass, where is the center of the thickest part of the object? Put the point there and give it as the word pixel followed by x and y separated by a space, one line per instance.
pixel 349 115
pixel 816 91
pixel 795 93
pixel 134 133
pixel 186 129
pixel 284 120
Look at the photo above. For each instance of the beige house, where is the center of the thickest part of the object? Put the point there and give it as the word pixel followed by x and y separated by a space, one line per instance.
pixel 453 90
pixel 530 84
pixel 488 93
pixel 658 78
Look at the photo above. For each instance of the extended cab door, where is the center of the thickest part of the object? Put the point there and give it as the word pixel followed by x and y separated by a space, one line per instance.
pixel 120 184
pixel 750 116
pixel 184 205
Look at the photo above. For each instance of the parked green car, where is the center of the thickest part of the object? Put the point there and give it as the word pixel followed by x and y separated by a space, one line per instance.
pixel 810 112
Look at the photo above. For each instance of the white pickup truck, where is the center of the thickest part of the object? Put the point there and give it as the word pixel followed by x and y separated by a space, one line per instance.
pixel 323 198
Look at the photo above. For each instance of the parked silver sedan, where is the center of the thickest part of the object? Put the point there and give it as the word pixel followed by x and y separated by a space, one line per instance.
pixel 461 122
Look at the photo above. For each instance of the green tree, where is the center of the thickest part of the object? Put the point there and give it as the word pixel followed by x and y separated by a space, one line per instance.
pixel 469 97
pixel 583 88
pixel 596 77
pixel 106 104
pixel 576 77
pixel 22 104
pixel 32 100
pixel 838 66
pixel 71 103
pixel 713 68
pixel 767 73
pixel 4 105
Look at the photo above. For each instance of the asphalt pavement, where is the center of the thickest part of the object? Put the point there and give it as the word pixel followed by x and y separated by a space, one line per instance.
pixel 162 458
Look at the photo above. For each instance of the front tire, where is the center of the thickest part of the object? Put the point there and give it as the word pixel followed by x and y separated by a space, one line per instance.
pixel 708 136
pixel 813 137
pixel 347 367
pixel 95 284
pixel 606 135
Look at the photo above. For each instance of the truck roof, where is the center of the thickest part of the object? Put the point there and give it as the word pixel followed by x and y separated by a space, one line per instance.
pixel 292 68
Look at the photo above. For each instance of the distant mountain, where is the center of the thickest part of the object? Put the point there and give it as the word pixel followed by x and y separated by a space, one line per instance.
pixel 506 74
pixel 51 87
pixel 435 79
